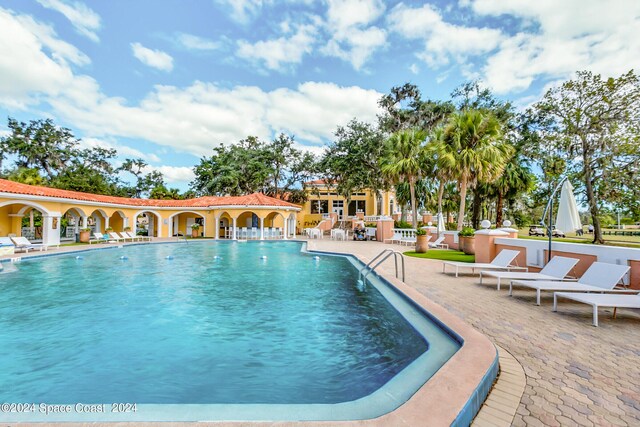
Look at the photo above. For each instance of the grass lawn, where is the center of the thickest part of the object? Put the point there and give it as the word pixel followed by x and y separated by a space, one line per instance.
pixel 444 255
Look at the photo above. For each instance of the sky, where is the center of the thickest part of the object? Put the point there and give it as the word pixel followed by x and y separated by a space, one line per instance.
pixel 168 80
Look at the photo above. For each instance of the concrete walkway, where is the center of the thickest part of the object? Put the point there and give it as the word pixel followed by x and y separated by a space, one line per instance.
pixel 576 374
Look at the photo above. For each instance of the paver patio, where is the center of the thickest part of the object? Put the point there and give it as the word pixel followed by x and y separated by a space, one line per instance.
pixel 576 374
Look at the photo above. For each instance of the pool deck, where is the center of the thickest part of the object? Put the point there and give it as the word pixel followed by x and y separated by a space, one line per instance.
pixel 576 374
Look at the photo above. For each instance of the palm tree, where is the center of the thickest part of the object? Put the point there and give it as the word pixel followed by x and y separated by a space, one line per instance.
pixel 516 178
pixel 472 149
pixel 402 161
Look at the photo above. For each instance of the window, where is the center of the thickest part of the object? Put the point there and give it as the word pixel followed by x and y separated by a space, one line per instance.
pixel 319 206
pixel 338 203
pixel 357 206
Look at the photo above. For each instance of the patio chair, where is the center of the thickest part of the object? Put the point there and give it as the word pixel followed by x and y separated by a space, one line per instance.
pixel 556 269
pixel 98 238
pixel 502 261
pixel 397 236
pixel 23 243
pixel 438 243
pixel 115 236
pixel 409 240
pixel 133 237
pixel 6 241
pixel 599 277
pixel 596 301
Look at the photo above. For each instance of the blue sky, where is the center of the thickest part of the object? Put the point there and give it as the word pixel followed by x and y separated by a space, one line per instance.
pixel 168 80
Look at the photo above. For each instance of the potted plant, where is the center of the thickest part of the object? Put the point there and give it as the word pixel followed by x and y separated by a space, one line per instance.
pixel 422 244
pixel 85 235
pixel 466 239
pixel 195 230
pixel 108 229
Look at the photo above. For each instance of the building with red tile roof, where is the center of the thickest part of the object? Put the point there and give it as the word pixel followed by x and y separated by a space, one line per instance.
pixel 22 206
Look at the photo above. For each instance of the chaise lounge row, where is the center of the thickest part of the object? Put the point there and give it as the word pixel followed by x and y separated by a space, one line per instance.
pixel 596 287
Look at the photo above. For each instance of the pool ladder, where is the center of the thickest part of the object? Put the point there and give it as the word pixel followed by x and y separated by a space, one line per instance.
pixel 381 257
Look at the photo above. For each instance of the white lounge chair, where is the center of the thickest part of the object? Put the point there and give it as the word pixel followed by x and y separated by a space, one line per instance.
pixel 599 277
pixel 556 269
pixel 6 241
pixel 502 261
pixel 410 240
pixel 99 238
pixel 23 243
pixel 596 301
pixel 115 236
pixel 438 243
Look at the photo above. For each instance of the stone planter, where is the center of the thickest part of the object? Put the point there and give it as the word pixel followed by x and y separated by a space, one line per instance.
pixel 467 245
pixel 422 244
pixel 84 236
pixel 195 232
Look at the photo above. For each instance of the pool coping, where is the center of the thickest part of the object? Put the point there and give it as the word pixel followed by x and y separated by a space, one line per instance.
pixel 468 374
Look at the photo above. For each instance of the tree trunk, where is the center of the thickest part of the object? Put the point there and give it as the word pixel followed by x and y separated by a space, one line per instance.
pixel 440 195
pixel 414 208
pixel 463 197
pixel 475 211
pixel 591 200
pixel 499 206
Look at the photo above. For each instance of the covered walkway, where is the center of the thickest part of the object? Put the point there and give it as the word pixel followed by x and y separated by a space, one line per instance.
pixel 50 215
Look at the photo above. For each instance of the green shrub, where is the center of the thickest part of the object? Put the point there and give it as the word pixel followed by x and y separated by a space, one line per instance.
pixel 402 224
pixel 467 232
pixel 421 232
pixel 451 226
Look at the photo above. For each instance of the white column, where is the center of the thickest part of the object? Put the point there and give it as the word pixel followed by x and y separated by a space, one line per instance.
pixel 217 230
pixel 85 222
pixel 261 228
pixel 284 235
pixel 50 235
pixel 106 223
pixel 233 230
pixel 125 222
pixel 31 225
pixel 293 222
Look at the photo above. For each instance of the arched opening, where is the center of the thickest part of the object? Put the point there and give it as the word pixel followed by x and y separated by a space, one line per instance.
pixel 182 223
pixel 148 223
pixel 118 221
pixel 224 226
pixel 274 226
pixel 248 226
pixel 98 221
pixel 23 219
pixel 70 224
pixel 292 224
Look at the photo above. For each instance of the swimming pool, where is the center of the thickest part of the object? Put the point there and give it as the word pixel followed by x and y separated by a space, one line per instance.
pixel 211 330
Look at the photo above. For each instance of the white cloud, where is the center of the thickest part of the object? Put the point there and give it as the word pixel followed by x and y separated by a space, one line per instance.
pixel 123 150
pixel 84 19
pixel 561 38
pixel 442 40
pixel 33 61
pixel 193 119
pixel 173 174
pixel 277 53
pixel 414 68
pixel 192 42
pixel 197 118
pixel 153 58
pixel 243 11
pixel 353 39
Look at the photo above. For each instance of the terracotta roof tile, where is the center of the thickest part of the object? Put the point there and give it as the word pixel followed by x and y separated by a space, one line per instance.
pixel 255 199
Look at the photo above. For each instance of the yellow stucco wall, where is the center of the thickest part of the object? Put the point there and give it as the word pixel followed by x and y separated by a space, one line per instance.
pixel 121 215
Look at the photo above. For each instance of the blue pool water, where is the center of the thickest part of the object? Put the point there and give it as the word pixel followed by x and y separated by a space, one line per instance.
pixel 197 329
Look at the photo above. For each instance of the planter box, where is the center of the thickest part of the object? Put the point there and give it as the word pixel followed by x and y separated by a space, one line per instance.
pixel 467 245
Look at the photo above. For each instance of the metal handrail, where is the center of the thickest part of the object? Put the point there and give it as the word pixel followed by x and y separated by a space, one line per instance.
pixel 384 255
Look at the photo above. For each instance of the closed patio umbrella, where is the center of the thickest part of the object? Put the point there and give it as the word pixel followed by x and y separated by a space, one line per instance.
pixel 568 219
pixel 440 226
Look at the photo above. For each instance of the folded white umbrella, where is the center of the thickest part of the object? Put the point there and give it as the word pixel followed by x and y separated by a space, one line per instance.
pixel 568 219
